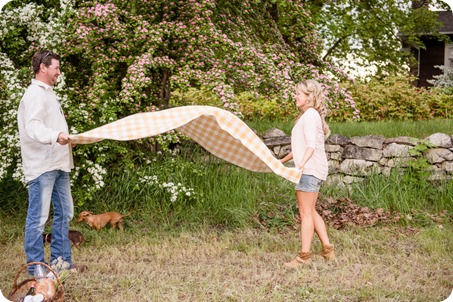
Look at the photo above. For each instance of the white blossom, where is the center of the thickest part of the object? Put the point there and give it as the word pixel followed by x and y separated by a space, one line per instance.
pixel 44 34
pixel 176 191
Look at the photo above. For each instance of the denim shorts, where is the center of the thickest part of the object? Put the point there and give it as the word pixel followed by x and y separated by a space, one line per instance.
pixel 308 183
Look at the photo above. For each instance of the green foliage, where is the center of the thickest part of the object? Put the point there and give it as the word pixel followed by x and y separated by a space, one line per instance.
pixel 120 58
pixel 395 98
pixel 365 32
pixel 258 107
pixel 418 172
pixel 194 96
pixel 420 148
pixel 440 102
pixel 14 196
pixel 444 81
pixel 166 179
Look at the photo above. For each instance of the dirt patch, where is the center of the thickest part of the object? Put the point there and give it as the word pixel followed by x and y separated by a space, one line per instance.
pixel 337 213
pixel 340 213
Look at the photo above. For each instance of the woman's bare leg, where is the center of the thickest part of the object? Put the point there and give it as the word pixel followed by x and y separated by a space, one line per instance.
pixel 320 228
pixel 306 202
pixel 318 222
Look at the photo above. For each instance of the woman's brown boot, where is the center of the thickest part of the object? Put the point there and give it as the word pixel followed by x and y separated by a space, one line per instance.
pixel 302 258
pixel 328 252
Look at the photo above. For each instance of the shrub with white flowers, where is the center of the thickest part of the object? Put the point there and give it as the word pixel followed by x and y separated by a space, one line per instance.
pixel 175 191
pixel 123 57
pixel 11 92
pixel 444 81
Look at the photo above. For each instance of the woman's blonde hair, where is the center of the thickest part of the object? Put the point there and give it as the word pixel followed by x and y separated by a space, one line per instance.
pixel 316 99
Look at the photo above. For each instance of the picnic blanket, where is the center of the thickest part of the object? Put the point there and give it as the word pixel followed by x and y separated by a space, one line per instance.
pixel 219 131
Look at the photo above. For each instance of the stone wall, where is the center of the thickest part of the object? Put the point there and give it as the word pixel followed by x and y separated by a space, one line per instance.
pixel 353 159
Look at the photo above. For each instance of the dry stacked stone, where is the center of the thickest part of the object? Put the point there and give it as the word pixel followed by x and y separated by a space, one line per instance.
pixel 353 159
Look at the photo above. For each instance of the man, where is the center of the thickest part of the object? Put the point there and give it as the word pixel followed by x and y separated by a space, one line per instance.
pixel 47 160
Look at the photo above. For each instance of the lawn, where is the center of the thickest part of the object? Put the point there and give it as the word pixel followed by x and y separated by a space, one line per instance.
pixel 391 263
pixel 387 263
pixel 389 129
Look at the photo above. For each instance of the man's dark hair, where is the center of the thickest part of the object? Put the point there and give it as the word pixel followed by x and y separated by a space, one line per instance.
pixel 43 56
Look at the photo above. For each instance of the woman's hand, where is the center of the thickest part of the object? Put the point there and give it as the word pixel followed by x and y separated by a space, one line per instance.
pixel 288 157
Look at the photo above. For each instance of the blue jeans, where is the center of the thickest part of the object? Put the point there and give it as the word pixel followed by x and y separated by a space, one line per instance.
pixel 52 186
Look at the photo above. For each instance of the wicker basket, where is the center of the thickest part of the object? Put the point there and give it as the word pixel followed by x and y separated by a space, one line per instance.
pixel 19 291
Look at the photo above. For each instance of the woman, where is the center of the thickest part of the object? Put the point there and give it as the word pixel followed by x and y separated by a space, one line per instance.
pixel 307 144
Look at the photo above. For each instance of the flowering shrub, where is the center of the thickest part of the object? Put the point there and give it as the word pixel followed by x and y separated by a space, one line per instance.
pixel 444 81
pixel 195 96
pixel 124 57
pixel 260 107
pixel 9 138
pixel 176 191
pixel 165 177
pixel 396 98
pixel 141 51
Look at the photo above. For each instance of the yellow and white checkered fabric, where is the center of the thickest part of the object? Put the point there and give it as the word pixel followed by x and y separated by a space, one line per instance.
pixel 217 130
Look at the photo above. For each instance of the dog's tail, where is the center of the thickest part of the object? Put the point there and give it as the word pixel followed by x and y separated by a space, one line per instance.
pixel 128 213
pixel 46 237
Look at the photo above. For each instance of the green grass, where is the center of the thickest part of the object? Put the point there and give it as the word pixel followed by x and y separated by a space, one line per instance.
pixel 404 193
pixel 224 195
pixel 389 129
pixel 263 125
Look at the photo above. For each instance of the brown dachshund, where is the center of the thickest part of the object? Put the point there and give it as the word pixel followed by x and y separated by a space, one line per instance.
pixel 99 221
pixel 75 237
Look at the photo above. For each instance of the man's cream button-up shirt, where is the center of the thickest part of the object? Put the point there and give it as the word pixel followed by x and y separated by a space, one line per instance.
pixel 41 119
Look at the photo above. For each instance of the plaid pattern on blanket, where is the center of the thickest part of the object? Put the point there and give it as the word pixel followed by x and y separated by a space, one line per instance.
pixel 220 132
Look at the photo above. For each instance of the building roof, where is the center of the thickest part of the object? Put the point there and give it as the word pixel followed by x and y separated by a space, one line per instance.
pixel 446 18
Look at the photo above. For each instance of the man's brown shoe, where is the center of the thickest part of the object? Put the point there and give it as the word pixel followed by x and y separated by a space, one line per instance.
pixel 328 252
pixel 301 259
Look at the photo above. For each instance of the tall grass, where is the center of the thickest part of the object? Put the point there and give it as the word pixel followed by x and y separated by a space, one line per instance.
pixel 224 195
pixel 13 196
pixel 389 129
pixel 405 193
